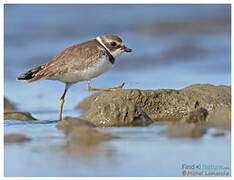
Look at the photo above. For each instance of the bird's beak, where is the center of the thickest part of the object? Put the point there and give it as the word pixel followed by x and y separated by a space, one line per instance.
pixel 126 49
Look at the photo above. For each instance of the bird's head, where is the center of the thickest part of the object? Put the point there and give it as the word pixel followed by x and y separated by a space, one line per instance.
pixel 113 44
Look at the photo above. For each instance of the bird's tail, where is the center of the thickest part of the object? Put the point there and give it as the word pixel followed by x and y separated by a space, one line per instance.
pixel 30 75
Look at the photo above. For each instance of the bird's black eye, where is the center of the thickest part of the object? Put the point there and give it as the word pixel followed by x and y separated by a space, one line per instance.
pixel 113 43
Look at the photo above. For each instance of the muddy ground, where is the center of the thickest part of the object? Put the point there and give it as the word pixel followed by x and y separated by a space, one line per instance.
pixel 186 113
pixel 204 104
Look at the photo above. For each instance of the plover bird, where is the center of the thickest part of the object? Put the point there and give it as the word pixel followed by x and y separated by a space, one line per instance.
pixel 80 62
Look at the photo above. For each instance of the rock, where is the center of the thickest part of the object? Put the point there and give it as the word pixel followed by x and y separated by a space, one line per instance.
pixel 124 107
pixel 21 116
pixel 88 135
pixel 112 109
pixel 181 130
pixel 81 130
pixel 162 123
pixel 220 118
pixel 86 103
pixel 8 106
pixel 207 96
pixel 83 136
pixel 68 123
pixel 85 141
pixel 15 138
pixel 197 116
pixel 218 134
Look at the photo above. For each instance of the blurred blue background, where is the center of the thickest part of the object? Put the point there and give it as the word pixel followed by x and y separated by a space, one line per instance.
pixel 174 46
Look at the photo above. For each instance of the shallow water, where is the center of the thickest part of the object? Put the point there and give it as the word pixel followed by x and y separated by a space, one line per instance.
pixel 138 152
pixel 174 56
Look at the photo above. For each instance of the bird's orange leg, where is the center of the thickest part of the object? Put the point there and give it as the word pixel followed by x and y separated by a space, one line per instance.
pixel 62 101
pixel 89 88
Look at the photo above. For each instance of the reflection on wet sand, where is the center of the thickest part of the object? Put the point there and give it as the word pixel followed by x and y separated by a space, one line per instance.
pixel 83 139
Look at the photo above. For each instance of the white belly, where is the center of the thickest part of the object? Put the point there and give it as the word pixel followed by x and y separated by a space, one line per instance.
pixel 93 71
